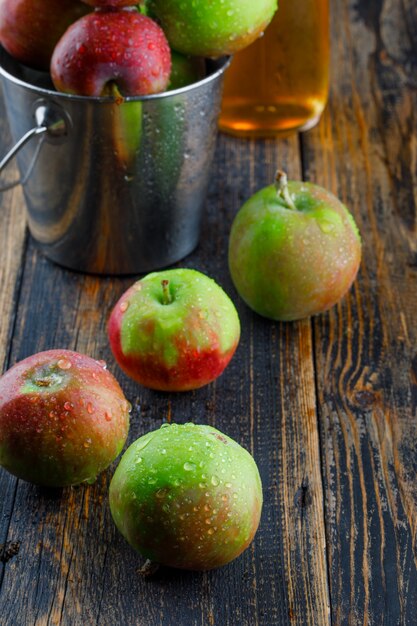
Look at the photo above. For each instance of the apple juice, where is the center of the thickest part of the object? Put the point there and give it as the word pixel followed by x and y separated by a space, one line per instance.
pixel 280 83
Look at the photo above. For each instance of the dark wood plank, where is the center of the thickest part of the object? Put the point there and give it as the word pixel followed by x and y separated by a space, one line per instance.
pixel 12 241
pixel 12 247
pixel 365 348
pixel 73 567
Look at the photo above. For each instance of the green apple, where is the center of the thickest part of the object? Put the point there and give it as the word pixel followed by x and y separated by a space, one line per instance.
pixel 185 70
pixel 187 496
pixel 212 29
pixel 294 250
pixel 174 330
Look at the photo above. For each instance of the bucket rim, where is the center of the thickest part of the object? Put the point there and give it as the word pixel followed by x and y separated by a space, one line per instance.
pixel 222 62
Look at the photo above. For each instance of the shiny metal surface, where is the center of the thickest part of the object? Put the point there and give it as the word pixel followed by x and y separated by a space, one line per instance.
pixel 113 188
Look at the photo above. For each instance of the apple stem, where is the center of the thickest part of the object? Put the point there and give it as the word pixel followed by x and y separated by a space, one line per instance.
pixel 149 568
pixel 281 183
pixel 43 382
pixel 166 296
pixel 114 91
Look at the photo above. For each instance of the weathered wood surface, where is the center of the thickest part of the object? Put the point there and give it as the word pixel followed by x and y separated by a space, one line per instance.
pixel 328 407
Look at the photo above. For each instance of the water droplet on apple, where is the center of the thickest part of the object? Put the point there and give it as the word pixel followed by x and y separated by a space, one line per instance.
pixel 64 364
pixel 189 467
pixel 326 227
pixel 126 406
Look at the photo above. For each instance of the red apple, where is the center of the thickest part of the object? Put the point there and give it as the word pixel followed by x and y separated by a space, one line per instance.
pixel 174 330
pixel 30 29
pixel 63 418
pixel 112 47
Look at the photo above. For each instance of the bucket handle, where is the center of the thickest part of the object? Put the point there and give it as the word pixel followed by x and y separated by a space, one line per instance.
pixel 51 121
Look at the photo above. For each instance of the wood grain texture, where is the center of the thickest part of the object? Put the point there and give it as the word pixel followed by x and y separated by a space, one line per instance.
pixel 12 239
pixel 365 348
pixel 73 566
pixel 12 246
pixel 328 407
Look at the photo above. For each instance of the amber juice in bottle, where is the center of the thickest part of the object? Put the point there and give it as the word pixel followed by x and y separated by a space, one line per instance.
pixel 280 82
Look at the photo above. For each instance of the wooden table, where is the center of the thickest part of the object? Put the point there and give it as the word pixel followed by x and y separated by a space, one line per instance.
pixel 327 406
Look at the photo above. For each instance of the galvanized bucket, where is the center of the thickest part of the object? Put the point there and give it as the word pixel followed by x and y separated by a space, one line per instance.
pixel 112 188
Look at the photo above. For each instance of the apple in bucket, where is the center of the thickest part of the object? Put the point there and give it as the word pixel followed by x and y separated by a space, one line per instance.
pixel 294 250
pixel 110 50
pixel 212 29
pixel 111 3
pixel 30 29
pixel 174 330
pixel 185 70
pixel 63 418
pixel 187 496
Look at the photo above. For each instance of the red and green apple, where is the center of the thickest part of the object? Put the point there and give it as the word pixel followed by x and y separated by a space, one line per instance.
pixel 63 418
pixel 174 330
pixel 294 250
pixel 187 496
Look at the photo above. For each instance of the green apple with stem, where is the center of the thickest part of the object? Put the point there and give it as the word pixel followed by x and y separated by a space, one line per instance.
pixel 174 330
pixel 294 250
pixel 187 496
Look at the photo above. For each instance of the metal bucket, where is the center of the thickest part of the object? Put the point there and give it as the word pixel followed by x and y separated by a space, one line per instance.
pixel 112 188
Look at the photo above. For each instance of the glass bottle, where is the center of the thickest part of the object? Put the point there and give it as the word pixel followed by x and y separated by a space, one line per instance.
pixel 280 83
